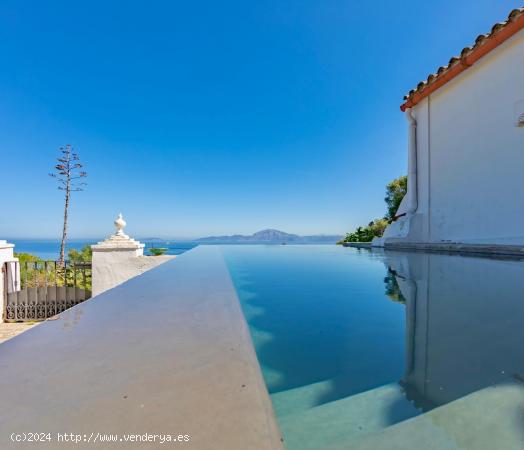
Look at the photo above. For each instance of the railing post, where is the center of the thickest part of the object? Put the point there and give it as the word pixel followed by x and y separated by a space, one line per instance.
pixel 3 291
pixel 114 260
pixel 6 255
pixel 120 258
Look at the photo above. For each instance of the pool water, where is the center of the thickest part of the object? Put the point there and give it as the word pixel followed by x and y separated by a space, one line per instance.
pixel 353 341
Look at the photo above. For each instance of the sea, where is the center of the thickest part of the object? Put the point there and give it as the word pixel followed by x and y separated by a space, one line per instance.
pixel 49 249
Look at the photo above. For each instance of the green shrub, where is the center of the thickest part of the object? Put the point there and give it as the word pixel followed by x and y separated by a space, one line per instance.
pixel 366 234
pixel 84 255
pixel 27 257
pixel 395 192
pixel 36 272
pixel 157 251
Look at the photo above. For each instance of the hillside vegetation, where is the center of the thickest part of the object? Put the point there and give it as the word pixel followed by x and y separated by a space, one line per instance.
pixel 395 192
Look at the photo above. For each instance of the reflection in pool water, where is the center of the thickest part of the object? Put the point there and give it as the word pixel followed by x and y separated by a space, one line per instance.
pixel 318 314
pixel 351 341
pixel 464 323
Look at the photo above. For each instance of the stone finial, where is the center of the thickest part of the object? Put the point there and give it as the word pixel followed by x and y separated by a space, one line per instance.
pixel 119 240
pixel 120 224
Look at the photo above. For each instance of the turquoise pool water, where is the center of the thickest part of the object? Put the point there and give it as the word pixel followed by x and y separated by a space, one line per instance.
pixel 351 341
pixel 319 314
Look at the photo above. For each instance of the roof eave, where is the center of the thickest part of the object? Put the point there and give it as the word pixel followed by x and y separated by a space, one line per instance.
pixel 467 59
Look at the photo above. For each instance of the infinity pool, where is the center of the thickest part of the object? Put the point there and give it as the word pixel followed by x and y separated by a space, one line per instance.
pixel 351 341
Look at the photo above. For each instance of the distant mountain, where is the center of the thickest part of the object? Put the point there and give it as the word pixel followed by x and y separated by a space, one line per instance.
pixel 271 236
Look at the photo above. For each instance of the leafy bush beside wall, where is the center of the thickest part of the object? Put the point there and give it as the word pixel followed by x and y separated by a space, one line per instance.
pixel 366 234
pixel 395 192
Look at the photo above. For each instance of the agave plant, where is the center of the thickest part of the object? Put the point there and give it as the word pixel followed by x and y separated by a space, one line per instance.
pixel 157 251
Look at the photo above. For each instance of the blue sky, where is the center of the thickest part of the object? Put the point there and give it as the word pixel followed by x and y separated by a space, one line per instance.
pixel 198 118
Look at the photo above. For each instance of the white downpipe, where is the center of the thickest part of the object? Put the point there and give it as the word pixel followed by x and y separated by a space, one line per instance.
pixel 412 162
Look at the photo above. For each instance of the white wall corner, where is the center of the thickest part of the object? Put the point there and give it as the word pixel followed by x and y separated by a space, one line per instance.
pixel 6 255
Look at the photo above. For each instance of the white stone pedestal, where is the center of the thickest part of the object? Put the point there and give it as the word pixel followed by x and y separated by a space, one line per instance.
pixel 119 258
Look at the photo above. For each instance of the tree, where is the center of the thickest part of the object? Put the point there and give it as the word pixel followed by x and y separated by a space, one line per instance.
pixel 395 192
pixel 68 172
pixel 26 258
pixel 83 256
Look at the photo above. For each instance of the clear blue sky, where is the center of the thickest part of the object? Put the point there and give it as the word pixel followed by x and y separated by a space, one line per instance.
pixel 198 118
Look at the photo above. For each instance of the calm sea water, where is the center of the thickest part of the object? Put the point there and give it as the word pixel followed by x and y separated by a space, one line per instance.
pixel 351 342
pixel 50 248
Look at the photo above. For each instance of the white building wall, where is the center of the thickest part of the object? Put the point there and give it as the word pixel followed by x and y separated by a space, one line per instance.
pixel 6 255
pixel 114 266
pixel 471 153
pixel 422 118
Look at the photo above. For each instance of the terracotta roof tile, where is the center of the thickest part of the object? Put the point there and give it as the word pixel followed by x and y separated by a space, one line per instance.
pixel 444 74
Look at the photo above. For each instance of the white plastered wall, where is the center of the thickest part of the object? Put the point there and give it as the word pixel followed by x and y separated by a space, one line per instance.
pixel 471 153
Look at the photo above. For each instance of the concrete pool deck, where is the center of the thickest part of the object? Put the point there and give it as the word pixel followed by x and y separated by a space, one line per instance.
pixel 167 352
